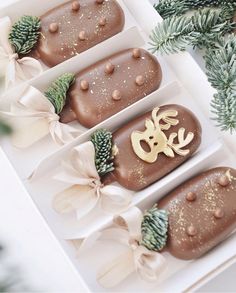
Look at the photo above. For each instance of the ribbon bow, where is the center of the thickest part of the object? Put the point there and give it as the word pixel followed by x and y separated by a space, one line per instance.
pixel 33 117
pixel 136 258
pixel 87 190
pixel 15 69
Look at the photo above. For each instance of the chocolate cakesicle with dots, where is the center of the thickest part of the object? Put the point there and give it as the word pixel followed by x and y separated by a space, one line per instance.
pixel 66 30
pixel 201 214
pixel 112 84
pixel 75 26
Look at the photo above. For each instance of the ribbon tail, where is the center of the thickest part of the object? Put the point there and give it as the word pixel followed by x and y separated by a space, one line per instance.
pixel 10 75
pixel 115 199
pixel 77 198
pixel 117 270
pixel 149 264
pixel 29 132
pixel 63 133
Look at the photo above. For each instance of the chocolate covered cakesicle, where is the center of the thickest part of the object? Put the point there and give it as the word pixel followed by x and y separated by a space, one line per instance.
pixel 76 26
pixel 201 212
pixel 110 85
pixel 152 145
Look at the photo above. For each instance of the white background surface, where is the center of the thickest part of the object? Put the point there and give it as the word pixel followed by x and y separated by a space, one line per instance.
pixel 31 246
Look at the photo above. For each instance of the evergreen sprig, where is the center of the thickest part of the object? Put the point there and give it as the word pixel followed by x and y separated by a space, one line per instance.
pixel 168 8
pixel 221 73
pixel 207 29
pixel 201 30
pixel 24 34
pixel 102 141
pixel 5 129
pixel 57 92
pixel 154 229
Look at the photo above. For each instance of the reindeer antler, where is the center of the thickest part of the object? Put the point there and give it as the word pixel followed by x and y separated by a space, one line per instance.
pixel 182 142
pixel 165 116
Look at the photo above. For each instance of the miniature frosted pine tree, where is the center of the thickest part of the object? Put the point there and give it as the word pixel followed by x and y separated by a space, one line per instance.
pixel 102 141
pixel 56 93
pixel 24 34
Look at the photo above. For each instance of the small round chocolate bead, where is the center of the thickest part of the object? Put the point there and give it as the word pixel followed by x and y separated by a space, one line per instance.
pixel 84 85
pixel 109 68
pixel 191 196
pixel 191 231
pixel 136 53
pixel 139 80
pixel 223 181
pixel 75 6
pixel 219 213
pixel 116 95
pixel 53 27
pixel 99 1
pixel 82 35
pixel 102 21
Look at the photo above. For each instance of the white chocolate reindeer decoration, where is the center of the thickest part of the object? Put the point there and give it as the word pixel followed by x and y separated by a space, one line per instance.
pixel 156 139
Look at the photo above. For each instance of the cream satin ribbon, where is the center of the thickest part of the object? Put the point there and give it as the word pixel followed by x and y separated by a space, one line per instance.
pixel 14 69
pixel 136 258
pixel 87 190
pixel 33 117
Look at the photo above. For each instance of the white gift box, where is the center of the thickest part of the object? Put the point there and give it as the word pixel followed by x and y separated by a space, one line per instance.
pixel 183 83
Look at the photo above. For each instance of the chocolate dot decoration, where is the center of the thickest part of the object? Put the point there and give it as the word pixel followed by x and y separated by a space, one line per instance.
pixel 53 27
pixel 224 181
pixel 99 1
pixel 139 80
pixel 116 95
pixel 136 53
pixel 102 21
pixel 219 213
pixel 84 85
pixel 82 35
pixel 191 231
pixel 191 196
pixel 75 6
pixel 109 68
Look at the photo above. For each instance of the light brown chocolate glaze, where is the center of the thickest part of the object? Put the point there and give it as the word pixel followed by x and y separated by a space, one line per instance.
pixel 200 222
pixel 71 28
pixel 136 174
pixel 111 85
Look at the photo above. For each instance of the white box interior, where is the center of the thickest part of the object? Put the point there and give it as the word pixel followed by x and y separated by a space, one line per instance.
pixel 192 90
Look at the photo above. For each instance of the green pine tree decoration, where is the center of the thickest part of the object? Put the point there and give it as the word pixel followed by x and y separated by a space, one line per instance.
pixel 24 34
pixel 102 141
pixel 57 92
pixel 154 229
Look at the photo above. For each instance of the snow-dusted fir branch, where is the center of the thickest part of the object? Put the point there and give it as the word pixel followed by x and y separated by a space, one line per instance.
pixel 221 72
pixel 168 8
pixel 202 30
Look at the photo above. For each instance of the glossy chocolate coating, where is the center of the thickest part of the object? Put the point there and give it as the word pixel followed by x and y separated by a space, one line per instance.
pixel 212 214
pixel 136 174
pixel 56 47
pixel 109 90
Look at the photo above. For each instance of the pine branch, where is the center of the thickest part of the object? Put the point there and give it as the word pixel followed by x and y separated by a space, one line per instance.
pixel 168 8
pixel 203 29
pixel 172 35
pixel 221 72
pixel 102 141
pixel 24 34
pixel 5 129
pixel 57 92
